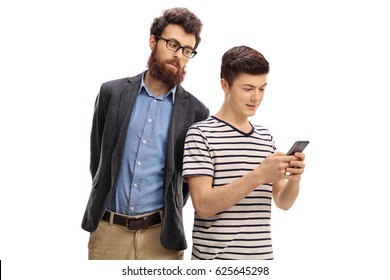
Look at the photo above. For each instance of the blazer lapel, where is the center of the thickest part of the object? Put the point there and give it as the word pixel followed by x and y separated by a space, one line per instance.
pixel 126 104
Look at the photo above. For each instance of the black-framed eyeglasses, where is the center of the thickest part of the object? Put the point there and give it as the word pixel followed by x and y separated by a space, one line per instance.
pixel 174 46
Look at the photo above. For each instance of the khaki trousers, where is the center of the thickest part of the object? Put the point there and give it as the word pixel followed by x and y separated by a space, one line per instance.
pixel 115 242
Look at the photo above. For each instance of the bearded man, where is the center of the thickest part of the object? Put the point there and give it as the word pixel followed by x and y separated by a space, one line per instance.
pixel 139 126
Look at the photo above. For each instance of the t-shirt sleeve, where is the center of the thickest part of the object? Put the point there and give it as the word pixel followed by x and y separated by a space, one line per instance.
pixel 197 159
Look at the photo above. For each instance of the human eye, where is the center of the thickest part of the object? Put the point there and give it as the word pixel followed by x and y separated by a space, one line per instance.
pixel 173 44
pixel 187 51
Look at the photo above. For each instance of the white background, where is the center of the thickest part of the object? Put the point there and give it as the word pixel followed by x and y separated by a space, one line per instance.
pixel 328 84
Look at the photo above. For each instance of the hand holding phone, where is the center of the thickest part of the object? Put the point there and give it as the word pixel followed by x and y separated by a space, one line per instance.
pixel 298 146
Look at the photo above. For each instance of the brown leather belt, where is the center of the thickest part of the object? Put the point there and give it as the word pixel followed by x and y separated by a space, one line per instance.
pixel 134 223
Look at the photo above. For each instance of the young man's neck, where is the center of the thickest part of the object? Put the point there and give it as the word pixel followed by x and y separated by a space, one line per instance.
pixel 156 86
pixel 241 123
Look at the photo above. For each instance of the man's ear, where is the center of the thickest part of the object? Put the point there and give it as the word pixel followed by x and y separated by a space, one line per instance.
pixel 152 42
pixel 225 85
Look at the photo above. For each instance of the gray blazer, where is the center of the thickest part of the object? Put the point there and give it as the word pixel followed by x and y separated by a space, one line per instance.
pixel 113 108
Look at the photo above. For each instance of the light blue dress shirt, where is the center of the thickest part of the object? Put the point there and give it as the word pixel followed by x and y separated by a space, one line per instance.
pixel 140 184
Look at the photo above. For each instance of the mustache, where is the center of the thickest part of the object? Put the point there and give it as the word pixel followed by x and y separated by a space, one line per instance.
pixel 176 62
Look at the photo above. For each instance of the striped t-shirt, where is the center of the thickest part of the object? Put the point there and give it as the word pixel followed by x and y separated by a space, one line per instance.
pixel 215 148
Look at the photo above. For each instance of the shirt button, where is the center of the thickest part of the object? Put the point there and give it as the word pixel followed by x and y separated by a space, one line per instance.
pixel 131 208
pixel 154 100
pixel 149 120
pixel 139 163
pixel 135 185
pixel 144 141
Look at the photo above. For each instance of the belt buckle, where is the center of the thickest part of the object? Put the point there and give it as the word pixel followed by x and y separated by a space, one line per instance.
pixel 140 223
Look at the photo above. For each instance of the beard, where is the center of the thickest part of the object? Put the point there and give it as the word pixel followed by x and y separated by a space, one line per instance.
pixel 159 71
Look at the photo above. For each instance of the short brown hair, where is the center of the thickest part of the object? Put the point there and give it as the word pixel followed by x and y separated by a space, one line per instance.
pixel 242 59
pixel 180 16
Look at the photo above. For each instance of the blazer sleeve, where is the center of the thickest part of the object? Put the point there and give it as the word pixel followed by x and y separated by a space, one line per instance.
pixel 98 123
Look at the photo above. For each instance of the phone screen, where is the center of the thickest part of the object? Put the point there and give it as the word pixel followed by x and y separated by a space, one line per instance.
pixel 298 146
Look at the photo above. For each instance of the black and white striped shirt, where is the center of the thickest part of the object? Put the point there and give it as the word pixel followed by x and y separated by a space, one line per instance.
pixel 215 148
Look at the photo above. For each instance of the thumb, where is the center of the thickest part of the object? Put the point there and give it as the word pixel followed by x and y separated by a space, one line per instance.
pixel 279 154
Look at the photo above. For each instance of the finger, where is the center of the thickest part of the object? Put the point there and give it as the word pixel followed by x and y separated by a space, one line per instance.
pixel 298 164
pixel 300 156
pixel 287 159
pixel 293 177
pixel 276 154
pixel 294 170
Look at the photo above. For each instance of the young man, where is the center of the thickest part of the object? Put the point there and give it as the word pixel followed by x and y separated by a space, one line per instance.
pixel 233 170
pixel 139 126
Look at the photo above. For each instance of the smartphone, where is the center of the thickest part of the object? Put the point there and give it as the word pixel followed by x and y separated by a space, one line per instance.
pixel 298 146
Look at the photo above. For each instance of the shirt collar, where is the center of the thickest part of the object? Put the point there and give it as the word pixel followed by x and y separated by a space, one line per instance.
pixel 171 92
